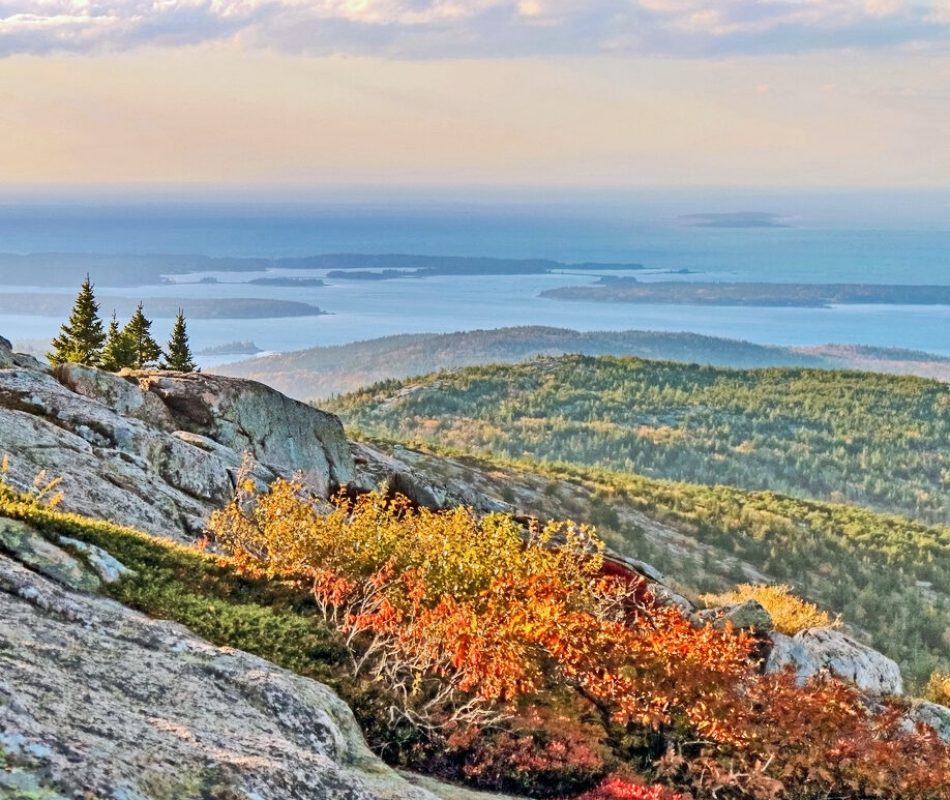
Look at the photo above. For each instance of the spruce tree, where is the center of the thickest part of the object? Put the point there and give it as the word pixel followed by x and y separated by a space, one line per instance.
pixel 144 349
pixel 117 353
pixel 178 352
pixel 80 339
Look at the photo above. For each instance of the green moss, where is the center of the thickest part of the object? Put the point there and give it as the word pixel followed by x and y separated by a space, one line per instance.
pixel 275 620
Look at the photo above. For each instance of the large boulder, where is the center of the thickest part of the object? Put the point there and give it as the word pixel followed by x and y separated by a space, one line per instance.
pixel 426 481
pixel 815 649
pixel 286 435
pixel 158 451
pixel 99 701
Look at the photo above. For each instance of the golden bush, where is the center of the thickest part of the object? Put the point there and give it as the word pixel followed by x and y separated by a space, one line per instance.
pixel 938 688
pixel 790 614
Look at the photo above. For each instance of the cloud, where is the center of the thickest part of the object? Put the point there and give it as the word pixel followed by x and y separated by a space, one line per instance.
pixel 476 28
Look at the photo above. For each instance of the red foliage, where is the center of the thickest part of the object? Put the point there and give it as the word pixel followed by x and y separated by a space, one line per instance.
pixel 457 629
pixel 614 788
pixel 536 762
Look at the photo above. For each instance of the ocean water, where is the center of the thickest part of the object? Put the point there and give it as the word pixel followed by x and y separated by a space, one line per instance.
pixel 823 243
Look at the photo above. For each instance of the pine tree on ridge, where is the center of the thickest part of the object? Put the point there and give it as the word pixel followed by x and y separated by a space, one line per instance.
pixel 81 338
pixel 144 349
pixel 178 353
pixel 117 354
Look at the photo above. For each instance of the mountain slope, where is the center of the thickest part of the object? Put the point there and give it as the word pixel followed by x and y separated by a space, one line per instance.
pixel 888 576
pixel 85 683
pixel 875 440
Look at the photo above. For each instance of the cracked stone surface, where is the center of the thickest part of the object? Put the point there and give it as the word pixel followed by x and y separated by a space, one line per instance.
pixel 100 701
pixel 157 451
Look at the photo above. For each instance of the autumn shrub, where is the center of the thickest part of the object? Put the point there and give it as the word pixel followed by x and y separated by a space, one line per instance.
pixel 938 688
pixel 464 619
pixel 617 788
pixel 790 614
pixel 540 761
pixel 460 614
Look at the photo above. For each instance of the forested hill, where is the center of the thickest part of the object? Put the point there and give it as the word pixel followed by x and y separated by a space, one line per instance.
pixel 321 372
pixel 875 440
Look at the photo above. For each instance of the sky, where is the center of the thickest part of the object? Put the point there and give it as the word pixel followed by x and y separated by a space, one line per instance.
pixel 621 93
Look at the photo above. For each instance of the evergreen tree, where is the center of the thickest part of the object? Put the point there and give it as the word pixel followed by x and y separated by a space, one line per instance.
pixel 80 339
pixel 138 333
pixel 178 353
pixel 118 352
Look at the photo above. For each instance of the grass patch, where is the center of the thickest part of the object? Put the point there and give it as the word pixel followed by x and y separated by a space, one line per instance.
pixel 273 619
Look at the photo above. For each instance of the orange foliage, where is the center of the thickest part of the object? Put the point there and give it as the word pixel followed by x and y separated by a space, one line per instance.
pixel 614 788
pixel 460 618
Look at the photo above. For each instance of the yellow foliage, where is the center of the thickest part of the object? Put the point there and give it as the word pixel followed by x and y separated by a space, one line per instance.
pixel 790 614
pixel 938 688
pixel 454 552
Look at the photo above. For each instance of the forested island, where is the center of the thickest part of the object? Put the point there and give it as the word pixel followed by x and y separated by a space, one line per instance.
pixel 242 348
pixel 754 294
pixel 67 269
pixel 58 305
pixel 371 275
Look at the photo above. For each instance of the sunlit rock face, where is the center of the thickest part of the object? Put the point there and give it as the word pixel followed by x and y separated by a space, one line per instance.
pixel 100 701
pixel 158 451
pixel 816 649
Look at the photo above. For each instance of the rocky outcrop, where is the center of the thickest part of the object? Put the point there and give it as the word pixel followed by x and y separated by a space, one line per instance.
pixel 816 649
pixel 933 715
pixel 99 701
pixel 157 451
pixel 750 615
pixel 10 359
pixel 286 435
pixel 413 474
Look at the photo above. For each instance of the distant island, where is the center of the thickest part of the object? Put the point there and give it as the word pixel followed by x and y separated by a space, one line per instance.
pixel 286 281
pixel 754 294
pixel 68 269
pixel 243 348
pixel 58 305
pixel 734 219
pixel 370 275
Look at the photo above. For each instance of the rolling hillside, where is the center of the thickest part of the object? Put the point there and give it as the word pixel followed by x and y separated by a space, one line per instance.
pixel 888 576
pixel 873 440
pixel 322 372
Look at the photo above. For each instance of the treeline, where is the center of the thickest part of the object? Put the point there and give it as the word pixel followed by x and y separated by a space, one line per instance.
pixel 875 440
pixel 84 340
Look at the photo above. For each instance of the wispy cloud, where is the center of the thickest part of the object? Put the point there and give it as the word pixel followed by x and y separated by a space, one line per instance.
pixel 428 28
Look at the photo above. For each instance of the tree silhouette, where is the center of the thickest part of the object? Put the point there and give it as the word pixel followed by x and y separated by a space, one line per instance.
pixel 81 338
pixel 178 353
pixel 138 333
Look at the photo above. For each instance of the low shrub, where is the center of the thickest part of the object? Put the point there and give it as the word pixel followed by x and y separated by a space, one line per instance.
pixel 616 788
pixel 790 614
pixel 938 688
pixel 466 619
